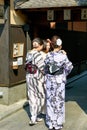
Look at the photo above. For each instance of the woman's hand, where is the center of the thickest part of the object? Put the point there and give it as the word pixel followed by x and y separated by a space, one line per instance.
pixel 64 52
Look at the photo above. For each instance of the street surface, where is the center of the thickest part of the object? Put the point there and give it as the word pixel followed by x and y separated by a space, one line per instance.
pixel 76 111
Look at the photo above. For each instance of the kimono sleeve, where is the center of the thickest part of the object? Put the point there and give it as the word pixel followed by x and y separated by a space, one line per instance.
pixel 68 66
pixel 46 64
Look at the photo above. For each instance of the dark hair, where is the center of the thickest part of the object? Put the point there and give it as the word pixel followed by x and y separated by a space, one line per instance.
pixel 53 41
pixel 45 43
pixel 38 40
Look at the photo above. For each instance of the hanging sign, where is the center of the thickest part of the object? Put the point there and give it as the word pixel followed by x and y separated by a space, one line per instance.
pixel 50 15
pixel 84 14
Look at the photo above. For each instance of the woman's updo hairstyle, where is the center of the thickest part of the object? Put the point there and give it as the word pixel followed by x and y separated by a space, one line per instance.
pixel 56 41
pixel 37 41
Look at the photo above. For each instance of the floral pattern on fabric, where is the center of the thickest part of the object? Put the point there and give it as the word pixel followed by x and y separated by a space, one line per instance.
pixel 55 90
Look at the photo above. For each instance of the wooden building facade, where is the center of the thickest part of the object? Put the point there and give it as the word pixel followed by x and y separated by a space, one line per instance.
pixel 21 21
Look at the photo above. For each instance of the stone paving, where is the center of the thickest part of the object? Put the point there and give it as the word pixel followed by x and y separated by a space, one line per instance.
pixel 15 116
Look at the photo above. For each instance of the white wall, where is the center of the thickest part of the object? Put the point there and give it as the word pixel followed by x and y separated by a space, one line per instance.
pixel 16 17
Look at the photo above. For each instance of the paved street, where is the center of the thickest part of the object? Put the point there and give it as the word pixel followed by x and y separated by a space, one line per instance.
pixel 76 111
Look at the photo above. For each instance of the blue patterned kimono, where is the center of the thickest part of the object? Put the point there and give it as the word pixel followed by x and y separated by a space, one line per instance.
pixel 55 89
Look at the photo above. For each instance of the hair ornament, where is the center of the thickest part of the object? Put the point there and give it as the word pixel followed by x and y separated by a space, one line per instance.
pixel 59 42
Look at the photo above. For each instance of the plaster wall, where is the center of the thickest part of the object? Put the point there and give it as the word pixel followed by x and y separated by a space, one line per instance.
pixel 13 94
pixel 1 2
pixel 16 17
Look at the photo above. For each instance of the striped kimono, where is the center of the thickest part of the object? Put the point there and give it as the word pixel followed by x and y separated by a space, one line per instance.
pixel 55 90
pixel 35 84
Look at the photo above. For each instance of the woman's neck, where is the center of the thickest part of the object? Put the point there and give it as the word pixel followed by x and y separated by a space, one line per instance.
pixel 56 49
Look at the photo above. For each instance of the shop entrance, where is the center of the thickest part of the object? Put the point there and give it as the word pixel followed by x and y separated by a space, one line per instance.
pixel 74 43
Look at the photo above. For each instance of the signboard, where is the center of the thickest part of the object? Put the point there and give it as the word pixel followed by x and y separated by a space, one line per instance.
pixel 18 49
pixel 50 15
pixel 67 14
pixel 84 14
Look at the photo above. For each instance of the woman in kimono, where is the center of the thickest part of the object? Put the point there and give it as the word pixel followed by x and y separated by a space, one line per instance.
pixel 35 80
pixel 47 47
pixel 57 67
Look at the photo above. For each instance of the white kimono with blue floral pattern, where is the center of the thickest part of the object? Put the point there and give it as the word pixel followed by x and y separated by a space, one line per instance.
pixel 55 90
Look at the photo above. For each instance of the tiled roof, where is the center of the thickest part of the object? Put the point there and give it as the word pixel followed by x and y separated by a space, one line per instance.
pixel 29 4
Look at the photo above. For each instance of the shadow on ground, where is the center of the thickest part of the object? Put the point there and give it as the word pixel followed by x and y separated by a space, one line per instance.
pixel 77 91
pixel 27 109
